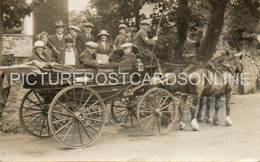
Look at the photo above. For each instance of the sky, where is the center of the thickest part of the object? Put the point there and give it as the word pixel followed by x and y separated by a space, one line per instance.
pixel 77 5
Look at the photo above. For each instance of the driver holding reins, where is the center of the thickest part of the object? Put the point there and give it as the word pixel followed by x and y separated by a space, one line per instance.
pixel 145 44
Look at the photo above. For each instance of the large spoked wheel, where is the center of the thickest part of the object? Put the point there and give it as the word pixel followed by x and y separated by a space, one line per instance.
pixel 156 111
pixel 77 116
pixel 33 115
pixel 123 111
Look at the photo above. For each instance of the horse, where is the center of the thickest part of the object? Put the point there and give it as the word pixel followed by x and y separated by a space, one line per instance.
pixel 223 74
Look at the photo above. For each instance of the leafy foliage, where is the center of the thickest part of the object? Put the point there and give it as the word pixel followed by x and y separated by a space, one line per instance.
pixel 15 10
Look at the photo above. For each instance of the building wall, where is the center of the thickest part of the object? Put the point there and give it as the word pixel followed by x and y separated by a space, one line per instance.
pixel 45 15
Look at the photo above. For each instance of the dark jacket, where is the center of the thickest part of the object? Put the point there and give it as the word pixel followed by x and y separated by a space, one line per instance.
pixel 128 59
pixel 62 56
pixel 82 40
pixel 119 41
pixel 144 44
pixel 87 59
pixel 57 43
pixel 102 50
pixel 36 57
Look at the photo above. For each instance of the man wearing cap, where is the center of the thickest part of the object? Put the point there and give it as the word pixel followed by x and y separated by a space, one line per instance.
pixel 104 46
pixel 128 36
pixel 144 43
pixel 57 40
pixel 38 54
pixel 74 32
pixel 69 55
pixel 86 36
pixel 88 56
pixel 119 39
pixel 129 57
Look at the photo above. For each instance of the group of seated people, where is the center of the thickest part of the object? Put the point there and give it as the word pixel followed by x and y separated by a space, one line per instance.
pixel 82 47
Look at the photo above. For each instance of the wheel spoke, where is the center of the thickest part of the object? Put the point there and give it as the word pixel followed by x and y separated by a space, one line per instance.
pixel 60 121
pixel 42 125
pixel 149 122
pixel 92 127
pixel 80 137
pixel 95 112
pixel 167 118
pixel 64 138
pixel 38 98
pixel 167 106
pixel 81 97
pixel 65 107
pixel 126 117
pixel 85 130
pixel 165 100
pixel 151 102
pixel 37 123
pixel 75 100
pixel 94 120
pixel 35 102
pixel 91 106
pixel 120 111
pixel 131 116
pixel 123 116
pixel 62 113
pixel 33 120
pixel 147 117
pixel 149 107
pixel 64 126
pixel 32 114
pixel 67 98
pixel 87 100
pixel 163 122
pixel 158 122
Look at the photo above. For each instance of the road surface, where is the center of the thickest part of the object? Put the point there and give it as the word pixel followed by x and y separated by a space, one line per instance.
pixel 240 142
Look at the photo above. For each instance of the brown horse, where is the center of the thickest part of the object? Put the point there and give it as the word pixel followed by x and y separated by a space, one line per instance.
pixel 202 81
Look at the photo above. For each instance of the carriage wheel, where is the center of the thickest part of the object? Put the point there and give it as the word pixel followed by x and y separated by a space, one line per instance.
pixel 33 115
pixel 123 111
pixel 156 111
pixel 77 116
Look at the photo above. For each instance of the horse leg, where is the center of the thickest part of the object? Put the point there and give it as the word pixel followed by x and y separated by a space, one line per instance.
pixel 217 106
pixel 228 120
pixel 199 116
pixel 181 109
pixel 193 108
pixel 207 114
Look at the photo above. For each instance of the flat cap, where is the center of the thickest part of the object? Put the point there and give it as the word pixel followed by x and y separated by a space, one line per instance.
pixel 88 24
pixel 75 28
pixel 92 44
pixel 126 45
pixel 122 26
pixel 145 22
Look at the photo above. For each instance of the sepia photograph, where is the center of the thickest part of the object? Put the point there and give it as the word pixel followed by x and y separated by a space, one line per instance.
pixel 130 80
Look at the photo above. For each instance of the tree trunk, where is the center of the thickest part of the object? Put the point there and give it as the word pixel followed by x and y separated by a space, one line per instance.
pixel 1 31
pixel 212 30
pixel 137 14
pixel 182 26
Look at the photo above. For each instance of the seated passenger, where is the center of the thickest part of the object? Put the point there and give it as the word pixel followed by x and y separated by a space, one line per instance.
pixel 129 57
pixel 69 55
pixel 38 54
pixel 104 46
pixel 88 56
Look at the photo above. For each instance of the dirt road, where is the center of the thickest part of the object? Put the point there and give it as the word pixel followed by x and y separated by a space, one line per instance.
pixel 238 142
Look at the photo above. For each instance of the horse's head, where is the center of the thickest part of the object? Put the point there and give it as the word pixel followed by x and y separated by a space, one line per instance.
pixel 236 62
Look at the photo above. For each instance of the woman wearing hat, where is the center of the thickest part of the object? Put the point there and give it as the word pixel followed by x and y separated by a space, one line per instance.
pixel 104 46
pixel 49 48
pixel 38 52
pixel 69 55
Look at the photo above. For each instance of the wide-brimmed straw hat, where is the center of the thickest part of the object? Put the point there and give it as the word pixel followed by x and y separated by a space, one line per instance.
pixel 58 23
pixel 103 32
pixel 39 43
pixel 122 26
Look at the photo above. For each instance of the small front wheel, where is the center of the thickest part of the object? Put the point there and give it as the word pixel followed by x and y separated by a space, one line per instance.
pixel 156 111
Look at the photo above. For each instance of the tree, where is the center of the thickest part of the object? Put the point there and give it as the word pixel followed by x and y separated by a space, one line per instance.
pixel 12 13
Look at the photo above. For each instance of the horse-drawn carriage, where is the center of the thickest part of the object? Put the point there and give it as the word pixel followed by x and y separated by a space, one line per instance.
pixel 74 111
